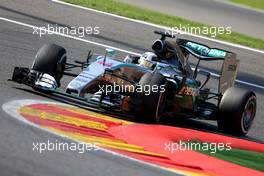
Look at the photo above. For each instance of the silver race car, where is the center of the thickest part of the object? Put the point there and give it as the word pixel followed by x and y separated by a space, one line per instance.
pixel 154 85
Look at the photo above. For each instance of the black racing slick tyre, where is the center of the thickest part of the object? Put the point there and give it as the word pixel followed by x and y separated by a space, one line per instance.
pixel 149 105
pixel 237 111
pixel 51 59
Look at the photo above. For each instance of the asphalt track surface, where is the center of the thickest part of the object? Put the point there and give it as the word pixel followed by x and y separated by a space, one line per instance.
pixel 214 12
pixel 18 47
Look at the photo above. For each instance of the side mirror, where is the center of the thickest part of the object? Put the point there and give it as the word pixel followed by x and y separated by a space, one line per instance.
pixel 110 51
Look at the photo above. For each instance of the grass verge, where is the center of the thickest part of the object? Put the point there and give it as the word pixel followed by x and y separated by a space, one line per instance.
pixel 257 4
pixel 139 13
pixel 249 159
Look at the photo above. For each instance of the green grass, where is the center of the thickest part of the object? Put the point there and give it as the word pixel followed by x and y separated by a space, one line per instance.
pixel 135 12
pixel 249 159
pixel 258 4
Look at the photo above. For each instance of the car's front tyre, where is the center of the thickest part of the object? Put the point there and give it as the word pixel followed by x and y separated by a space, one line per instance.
pixel 50 59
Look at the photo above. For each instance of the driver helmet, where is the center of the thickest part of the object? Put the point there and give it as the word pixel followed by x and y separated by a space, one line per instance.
pixel 148 60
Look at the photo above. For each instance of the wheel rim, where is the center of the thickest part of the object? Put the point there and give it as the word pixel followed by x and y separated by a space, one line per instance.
pixel 248 114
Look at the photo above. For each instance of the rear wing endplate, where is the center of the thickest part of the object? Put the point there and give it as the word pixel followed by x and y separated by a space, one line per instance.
pixel 228 72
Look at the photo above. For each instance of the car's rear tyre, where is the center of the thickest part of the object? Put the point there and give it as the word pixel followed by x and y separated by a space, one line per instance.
pixel 149 105
pixel 237 111
pixel 51 59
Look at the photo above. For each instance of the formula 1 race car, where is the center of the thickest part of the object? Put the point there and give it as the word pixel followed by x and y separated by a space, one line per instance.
pixel 154 85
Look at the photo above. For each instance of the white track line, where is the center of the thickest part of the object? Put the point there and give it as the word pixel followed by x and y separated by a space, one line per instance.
pixel 12 109
pixel 107 46
pixel 161 27
pixel 67 36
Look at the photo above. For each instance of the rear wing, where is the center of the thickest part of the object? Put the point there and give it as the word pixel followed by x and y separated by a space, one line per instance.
pixel 230 63
pixel 202 51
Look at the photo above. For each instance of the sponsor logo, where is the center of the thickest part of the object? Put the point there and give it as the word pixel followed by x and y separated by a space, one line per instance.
pixel 106 64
